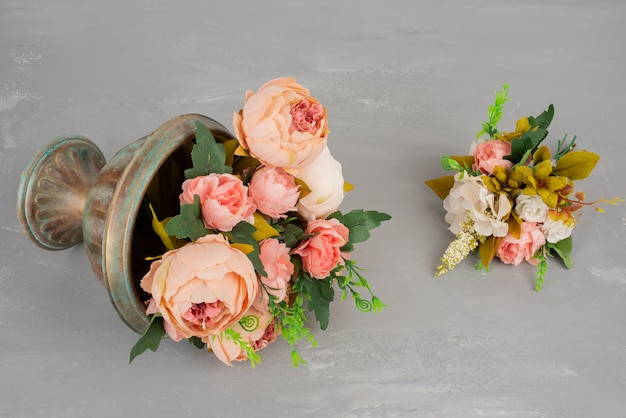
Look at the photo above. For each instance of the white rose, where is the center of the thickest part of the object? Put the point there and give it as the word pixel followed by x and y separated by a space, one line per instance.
pixel 531 208
pixel 323 176
pixel 556 231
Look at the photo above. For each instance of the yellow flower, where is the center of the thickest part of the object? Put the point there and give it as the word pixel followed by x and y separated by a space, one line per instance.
pixel 521 126
pixel 539 181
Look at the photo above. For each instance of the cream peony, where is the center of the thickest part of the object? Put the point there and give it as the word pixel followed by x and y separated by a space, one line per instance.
pixel 325 180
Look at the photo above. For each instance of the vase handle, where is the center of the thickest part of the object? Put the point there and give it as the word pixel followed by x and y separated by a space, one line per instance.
pixel 53 191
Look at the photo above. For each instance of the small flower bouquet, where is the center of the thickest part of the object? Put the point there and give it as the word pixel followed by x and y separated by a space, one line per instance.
pixel 513 197
pixel 258 236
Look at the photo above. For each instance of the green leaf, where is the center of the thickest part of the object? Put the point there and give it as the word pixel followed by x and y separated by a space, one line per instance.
pixel 542 121
pixel 292 235
pixel 521 146
pixel 242 233
pixel 188 224
pixel 150 339
pixel 319 294
pixel 563 249
pixel 360 222
pixel 196 342
pixel 207 155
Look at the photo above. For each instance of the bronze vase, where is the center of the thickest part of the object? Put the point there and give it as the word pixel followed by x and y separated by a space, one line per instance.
pixel 68 193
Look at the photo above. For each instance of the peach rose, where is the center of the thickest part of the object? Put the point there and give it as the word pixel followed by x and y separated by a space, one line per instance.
pixel 321 252
pixel 514 251
pixel 490 154
pixel 257 327
pixel 224 200
pixel 277 264
pixel 324 178
pixel 274 191
pixel 281 125
pixel 202 288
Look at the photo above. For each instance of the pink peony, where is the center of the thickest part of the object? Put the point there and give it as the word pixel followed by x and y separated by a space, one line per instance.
pixel 277 264
pixel 490 154
pixel 274 191
pixel 202 288
pixel 514 251
pixel 223 198
pixel 281 125
pixel 321 252
pixel 257 327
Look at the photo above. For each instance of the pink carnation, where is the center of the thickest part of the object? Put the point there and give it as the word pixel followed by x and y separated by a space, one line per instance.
pixel 223 198
pixel 274 191
pixel 321 252
pixel 514 251
pixel 490 154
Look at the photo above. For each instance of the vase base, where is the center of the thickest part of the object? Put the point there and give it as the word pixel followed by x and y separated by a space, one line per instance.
pixel 53 190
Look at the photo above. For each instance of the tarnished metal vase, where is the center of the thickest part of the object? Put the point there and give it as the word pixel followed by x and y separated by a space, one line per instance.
pixel 68 193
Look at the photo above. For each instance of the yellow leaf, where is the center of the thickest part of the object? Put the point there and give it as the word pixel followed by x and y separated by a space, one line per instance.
pixel 576 165
pixel 599 209
pixel 304 188
pixel 230 146
pixel 241 152
pixel 515 225
pixel 171 243
pixel 263 228
pixel 347 187
pixel 441 186
pixel 522 125
pixel 487 250
pixel 542 154
pixel 244 248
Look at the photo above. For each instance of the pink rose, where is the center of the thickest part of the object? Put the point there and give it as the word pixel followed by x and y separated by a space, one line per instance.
pixel 257 327
pixel 490 154
pixel 223 198
pixel 277 264
pixel 281 124
pixel 202 288
pixel 274 191
pixel 321 252
pixel 514 251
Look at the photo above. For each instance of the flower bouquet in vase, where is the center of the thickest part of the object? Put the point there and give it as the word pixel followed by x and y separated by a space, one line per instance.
pixel 221 240
pixel 513 198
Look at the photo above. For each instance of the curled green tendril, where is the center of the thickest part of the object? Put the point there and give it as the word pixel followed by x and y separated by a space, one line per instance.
pixel 363 305
pixel 249 323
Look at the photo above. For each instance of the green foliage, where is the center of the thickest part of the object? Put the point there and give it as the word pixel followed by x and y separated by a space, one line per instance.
pixel 188 223
pixel 352 279
pixel 207 155
pixel 150 339
pixel 524 146
pixel 359 222
pixel 319 293
pixel 242 234
pixel 563 249
pixel 450 164
pixel 196 342
pixel 292 235
pixel 542 267
pixel 495 113
pixel 234 336
pixel 292 321
pixel 562 149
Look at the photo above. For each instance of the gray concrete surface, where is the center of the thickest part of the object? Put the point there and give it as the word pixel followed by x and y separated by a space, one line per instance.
pixel 404 83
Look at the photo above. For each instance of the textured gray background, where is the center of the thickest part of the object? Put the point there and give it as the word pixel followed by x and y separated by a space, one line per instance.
pixel 404 82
